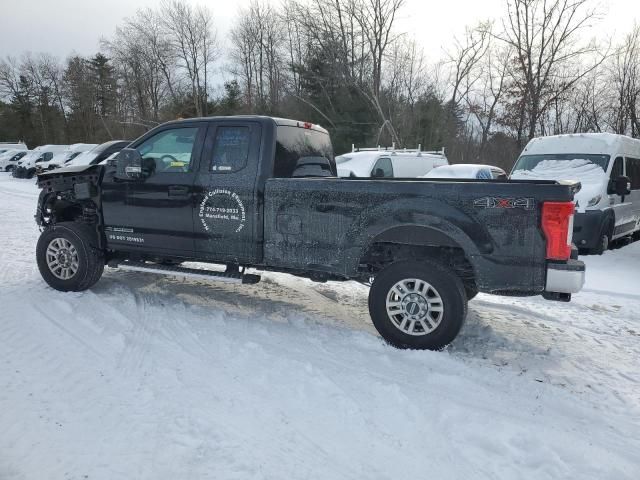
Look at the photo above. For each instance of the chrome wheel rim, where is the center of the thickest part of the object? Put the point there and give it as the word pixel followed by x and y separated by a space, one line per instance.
pixel 414 307
pixel 62 258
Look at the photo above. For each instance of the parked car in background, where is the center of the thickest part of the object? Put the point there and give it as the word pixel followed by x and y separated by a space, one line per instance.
pixel 388 162
pixel 26 167
pixel 60 158
pixel 607 166
pixel 99 153
pixel 9 159
pixel 5 146
pixel 467 170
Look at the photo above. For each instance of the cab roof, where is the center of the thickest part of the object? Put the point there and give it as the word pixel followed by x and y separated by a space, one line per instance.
pixel 284 122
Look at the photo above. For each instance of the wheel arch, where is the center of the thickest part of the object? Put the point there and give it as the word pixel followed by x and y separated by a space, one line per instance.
pixel 418 235
pixel 415 242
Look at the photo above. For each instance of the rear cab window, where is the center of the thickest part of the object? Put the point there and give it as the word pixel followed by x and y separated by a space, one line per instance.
pixel 295 142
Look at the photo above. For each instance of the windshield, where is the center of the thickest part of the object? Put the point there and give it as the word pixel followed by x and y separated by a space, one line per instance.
pixel 529 162
pixel 31 156
pixel 84 158
pixel 8 153
pixel 62 156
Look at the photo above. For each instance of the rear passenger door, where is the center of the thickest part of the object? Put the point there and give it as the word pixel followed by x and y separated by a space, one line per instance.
pixel 633 172
pixel 620 206
pixel 226 210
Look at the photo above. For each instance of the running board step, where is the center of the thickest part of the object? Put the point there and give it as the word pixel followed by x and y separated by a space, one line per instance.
pixel 183 272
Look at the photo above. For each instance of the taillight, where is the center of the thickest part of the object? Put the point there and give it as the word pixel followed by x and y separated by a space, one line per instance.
pixel 557 225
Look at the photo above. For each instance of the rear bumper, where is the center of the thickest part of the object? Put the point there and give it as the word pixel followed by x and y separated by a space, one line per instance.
pixel 565 277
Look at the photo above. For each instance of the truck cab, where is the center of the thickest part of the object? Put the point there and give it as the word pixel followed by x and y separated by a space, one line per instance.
pixel 206 175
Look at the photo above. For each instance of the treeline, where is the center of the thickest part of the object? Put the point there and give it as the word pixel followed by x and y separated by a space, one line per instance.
pixel 342 64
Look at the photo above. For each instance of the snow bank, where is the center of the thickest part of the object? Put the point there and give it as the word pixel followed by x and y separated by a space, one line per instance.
pixel 145 377
pixel 591 176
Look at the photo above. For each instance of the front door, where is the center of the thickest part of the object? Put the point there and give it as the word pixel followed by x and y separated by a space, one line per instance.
pixel 227 218
pixel 156 213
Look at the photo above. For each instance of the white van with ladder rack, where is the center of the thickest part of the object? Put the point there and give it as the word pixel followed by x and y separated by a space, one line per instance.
pixel 389 162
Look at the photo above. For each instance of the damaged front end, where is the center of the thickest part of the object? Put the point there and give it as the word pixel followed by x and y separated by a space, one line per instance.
pixel 69 194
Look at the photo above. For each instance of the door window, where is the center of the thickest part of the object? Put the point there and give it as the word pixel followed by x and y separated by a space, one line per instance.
pixel 633 172
pixel 383 168
pixel 45 157
pixel 617 169
pixel 169 151
pixel 230 149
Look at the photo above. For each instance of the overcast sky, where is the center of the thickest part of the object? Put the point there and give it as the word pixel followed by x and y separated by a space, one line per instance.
pixel 65 26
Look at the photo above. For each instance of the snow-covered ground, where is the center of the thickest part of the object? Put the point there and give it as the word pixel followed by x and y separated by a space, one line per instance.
pixel 146 377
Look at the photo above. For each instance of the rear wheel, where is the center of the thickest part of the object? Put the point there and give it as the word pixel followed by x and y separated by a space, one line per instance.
pixel 418 305
pixel 9 168
pixel 68 257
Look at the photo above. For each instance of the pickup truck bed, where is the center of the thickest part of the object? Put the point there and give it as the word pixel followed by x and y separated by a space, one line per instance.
pixel 329 224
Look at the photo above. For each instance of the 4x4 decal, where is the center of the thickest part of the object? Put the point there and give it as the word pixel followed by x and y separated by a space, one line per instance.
pixel 497 202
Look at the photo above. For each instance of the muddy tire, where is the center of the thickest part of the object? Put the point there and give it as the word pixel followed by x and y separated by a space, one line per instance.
pixel 68 256
pixel 418 305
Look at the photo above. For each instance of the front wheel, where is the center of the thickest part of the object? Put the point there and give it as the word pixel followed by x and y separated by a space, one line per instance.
pixel 604 240
pixel 418 305
pixel 68 257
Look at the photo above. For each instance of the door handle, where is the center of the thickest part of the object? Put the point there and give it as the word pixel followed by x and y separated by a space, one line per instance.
pixel 178 191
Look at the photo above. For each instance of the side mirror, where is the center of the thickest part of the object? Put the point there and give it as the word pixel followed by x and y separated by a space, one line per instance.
pixel 130 165
pixel 621 186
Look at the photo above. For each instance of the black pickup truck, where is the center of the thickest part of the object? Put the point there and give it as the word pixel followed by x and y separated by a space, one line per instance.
pixel 261 192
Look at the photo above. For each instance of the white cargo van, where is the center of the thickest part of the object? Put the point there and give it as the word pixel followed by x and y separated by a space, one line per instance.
pixel 9 159
pixel 388 162
pixel 5 146
pixel 607 166
pixel 60 158
pixel 26 167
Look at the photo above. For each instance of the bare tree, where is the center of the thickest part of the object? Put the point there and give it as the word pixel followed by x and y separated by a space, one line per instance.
pixel 464 57
pixel 377 19
pixel 485 88
pixel 625 76
pixel 548 54
pixel 146 62
pixel 258 55
pixel 53 74
pixel 191 33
